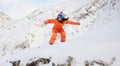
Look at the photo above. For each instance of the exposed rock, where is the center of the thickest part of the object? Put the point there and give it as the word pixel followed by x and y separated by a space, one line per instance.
pixel 36 62
pixel 15 63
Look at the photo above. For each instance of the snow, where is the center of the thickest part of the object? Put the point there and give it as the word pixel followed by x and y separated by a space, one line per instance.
pixel 96 39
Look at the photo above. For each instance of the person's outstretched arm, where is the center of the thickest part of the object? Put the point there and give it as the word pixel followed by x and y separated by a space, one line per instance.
pixel 71 22
pixel 49 21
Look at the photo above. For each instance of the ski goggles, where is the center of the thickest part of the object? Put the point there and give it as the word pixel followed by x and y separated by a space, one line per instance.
pixel 59 17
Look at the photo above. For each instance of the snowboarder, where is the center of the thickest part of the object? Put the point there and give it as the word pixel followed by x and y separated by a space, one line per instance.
pixel 57 28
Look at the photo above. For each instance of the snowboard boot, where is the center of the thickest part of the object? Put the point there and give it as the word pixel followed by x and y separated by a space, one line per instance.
pixel 51 42
pixel 62 40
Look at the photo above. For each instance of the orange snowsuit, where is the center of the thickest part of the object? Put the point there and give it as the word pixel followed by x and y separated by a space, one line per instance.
pixel 57 28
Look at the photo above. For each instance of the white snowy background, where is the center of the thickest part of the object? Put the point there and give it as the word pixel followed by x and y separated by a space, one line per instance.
pixel 96 39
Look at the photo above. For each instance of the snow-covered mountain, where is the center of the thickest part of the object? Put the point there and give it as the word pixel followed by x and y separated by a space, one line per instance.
pixel 28 37
pixel 4 20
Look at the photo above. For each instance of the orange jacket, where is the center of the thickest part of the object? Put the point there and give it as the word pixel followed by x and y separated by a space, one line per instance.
pixel 58 25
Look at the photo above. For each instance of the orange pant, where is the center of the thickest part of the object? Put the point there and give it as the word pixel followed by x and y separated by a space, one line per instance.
pixel 54 35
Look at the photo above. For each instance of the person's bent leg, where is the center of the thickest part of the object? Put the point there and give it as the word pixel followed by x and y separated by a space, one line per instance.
pixel 52 39
pixel 63 35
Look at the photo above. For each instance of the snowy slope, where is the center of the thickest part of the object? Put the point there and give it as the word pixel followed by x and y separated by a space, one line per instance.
pixel 31 36
pixel 96 38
